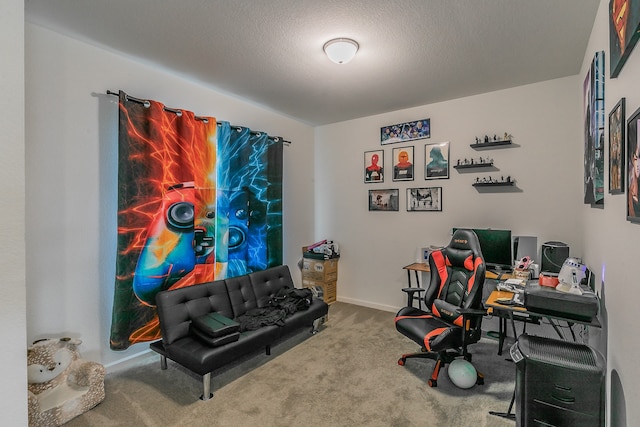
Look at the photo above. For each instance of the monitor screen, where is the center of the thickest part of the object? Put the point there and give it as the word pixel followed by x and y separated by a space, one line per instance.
pixel 496 247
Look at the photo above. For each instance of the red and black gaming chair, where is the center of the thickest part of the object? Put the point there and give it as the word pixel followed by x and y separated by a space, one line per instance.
pixel 454 303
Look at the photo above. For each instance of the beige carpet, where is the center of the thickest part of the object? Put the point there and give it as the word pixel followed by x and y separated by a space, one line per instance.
pixel 346 375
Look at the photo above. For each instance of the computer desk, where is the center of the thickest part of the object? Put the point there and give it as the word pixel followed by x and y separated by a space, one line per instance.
pixel 423 267
pixel 516 312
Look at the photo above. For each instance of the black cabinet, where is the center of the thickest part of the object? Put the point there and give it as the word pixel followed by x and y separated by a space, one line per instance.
pixel 558 383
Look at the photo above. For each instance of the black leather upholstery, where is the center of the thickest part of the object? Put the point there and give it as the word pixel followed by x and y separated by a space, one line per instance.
pixel 453 302
pixel 231 297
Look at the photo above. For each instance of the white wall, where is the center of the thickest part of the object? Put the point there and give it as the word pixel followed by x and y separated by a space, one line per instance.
pixel 71 167
pixel 611 246
pixel 71 204
pixel 545 121
pixel 13 367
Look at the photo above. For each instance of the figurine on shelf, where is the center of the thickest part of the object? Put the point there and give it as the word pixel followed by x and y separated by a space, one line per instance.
pixel 486 139
pixel 477 179
pixel 458 164
pixel 477 140
pixel 509 178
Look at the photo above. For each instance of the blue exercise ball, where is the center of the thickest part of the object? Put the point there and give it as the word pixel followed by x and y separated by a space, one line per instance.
pixel 462 373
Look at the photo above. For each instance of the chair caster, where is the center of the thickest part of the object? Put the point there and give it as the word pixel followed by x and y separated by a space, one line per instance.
pixel 432 383
pixel 480 379
pixel 401 361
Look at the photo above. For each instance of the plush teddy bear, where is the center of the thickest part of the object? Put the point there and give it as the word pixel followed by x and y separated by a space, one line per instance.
pixel 61 384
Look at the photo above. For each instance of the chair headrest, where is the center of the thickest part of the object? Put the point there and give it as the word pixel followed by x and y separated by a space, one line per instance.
pixel 466 239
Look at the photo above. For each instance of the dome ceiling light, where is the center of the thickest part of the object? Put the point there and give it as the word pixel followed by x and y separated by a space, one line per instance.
pixel 341 50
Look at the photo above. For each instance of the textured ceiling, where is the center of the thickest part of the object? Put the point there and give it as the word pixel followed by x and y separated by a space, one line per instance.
pixel 269 52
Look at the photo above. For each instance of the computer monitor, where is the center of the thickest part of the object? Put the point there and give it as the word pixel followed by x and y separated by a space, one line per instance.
pixel 496 247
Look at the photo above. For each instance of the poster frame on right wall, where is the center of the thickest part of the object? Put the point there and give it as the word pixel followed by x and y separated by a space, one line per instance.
pixel 617 127
pixel 633 167
pixel 624 32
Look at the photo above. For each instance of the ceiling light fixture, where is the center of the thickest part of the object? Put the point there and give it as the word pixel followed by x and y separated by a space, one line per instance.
pixel 341 50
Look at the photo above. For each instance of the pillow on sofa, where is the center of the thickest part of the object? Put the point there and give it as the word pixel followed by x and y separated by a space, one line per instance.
pixel 214 329
pixel 215 325
pixel 213 341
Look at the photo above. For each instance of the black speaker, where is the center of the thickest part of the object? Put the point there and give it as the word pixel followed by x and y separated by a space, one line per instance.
pixel 558 383
pixel 553 256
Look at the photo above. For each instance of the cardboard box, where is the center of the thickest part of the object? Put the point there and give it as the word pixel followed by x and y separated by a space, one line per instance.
pixel 320 270
pixel 329 289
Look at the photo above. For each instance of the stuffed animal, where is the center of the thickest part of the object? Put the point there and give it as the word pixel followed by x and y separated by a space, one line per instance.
pixel 61 384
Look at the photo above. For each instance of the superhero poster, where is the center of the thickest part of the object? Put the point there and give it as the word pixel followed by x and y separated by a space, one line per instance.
pixel 198 200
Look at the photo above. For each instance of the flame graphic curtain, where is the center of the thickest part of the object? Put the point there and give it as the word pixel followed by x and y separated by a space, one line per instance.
pixel 198 200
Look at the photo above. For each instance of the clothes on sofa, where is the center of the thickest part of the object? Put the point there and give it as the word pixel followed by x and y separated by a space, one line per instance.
pixel 292 300
pixel 256 318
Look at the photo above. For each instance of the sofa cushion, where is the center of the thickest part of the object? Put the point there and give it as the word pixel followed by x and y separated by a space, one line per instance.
pixel 176 308
pixel 266 283
pixel 241 295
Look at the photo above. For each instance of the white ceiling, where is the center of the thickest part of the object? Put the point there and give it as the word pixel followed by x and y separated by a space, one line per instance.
pixel 269 52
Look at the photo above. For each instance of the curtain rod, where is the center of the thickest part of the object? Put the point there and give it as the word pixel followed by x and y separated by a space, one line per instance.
pixel 147 104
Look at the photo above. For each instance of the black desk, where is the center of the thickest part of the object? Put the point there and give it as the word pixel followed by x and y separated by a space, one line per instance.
pixel 514 312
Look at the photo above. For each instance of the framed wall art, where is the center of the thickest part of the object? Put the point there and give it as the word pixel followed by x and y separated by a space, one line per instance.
pixel 403 164
pixel 424 199
pixel 594 115
pixel 633 167
pixel 403 132
pixel 624 31
pixel 436 161
pixel 384 200
pixel 374 166
pixel 617 126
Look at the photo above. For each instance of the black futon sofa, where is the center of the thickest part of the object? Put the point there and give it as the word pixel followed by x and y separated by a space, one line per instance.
pixel 230 298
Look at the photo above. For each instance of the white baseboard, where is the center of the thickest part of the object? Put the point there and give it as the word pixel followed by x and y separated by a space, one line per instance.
pixel 369 304
pixel 128 361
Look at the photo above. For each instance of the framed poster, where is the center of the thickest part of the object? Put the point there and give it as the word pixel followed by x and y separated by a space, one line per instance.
pixel 436 161
pixel 633 167
pixel 624 31
pixel 404 132
pixel 374 166
pixel 617 126
pixel 403 164
pixel 424 199
pixel 593 91
pixel 384 200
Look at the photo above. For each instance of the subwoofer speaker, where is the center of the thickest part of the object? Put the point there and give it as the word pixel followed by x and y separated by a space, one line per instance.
pixel 553 256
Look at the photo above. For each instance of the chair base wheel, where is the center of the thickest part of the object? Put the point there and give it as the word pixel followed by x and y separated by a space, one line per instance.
pixel 401 361
pixel 432 382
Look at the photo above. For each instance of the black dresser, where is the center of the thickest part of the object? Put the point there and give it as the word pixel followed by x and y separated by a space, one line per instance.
pixel 558 383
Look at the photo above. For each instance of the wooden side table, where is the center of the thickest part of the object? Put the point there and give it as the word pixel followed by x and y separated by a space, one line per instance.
pixel 415 293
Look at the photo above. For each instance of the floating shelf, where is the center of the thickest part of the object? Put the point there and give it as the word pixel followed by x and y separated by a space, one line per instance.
pixel 493 184
pixel 490 144
pixel 474 166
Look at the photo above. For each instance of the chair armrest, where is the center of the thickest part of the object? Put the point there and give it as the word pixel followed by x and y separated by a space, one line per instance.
pixel 473 312
pixel 413 290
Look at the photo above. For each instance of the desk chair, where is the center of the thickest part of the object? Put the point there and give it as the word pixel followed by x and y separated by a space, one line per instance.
pixel 453 303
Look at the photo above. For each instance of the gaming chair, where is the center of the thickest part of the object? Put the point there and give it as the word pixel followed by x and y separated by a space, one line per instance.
pixel 453 302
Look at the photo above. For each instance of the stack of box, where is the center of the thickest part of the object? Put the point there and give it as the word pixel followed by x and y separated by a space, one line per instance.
pixel 322 273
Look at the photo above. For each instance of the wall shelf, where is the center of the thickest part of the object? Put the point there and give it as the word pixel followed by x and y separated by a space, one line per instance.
pixel 491 144
pixel 474 166
pixel 493 184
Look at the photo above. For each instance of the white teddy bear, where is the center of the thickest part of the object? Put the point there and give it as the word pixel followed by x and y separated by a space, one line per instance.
pixel 61 384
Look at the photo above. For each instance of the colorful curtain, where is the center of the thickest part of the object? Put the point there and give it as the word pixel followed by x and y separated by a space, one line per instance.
pixel 198 200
